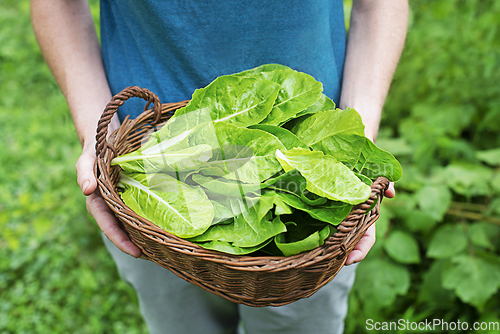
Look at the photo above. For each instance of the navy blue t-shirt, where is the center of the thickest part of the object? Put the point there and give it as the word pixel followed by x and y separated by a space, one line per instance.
pixel 173 47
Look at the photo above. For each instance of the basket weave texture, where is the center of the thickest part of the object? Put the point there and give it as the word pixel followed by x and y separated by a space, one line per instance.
pixel 249 280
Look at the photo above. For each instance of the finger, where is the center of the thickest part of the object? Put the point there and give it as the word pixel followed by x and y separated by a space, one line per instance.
pixel 85 172
pixel 110 226
pixel 362 247
pixel 390 192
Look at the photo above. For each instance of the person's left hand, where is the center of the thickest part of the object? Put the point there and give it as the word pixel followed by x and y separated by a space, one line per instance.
pixel 368 239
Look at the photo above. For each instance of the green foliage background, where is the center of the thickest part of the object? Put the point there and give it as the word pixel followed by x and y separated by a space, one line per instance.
pixel 438 241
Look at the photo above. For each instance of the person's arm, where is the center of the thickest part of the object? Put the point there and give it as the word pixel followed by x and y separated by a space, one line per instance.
pixel 66 34
pixel 376 37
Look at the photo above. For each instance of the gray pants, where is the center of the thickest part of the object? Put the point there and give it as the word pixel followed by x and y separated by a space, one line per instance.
pixel 171 305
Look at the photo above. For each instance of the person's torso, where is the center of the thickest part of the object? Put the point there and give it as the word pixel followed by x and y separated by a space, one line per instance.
pixel 174 47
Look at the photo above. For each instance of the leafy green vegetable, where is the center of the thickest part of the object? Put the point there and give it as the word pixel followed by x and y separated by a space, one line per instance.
pixel 232 99
pixel 251 231
pixel 176 133
pixel 340 133
pixel 346 148
pixel 191 158
pixel 245 154
pixel 425 142
pixel 287 138
pixel 374 162
pixel 221 213
pixel 312 241
pixel 256 160
pixel 247 231
pixel 229 248
pixel 298 91
pixel 324 103
pixel 174 206
pixel 325 175
pixel 219 232
pixel 366 180
pixel 331 212
pixel 327 123
pixel 225 187
pixel 290 187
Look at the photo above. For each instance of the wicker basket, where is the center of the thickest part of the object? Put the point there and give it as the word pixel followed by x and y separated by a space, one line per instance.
pixel 250 280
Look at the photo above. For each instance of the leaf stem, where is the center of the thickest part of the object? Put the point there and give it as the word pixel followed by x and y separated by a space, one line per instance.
pixel 467 235
pixel 473 216
pixel 469 206
pixel 281 189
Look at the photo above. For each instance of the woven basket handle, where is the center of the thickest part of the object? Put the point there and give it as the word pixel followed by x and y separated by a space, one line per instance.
pixel 379 186
pixel 117 101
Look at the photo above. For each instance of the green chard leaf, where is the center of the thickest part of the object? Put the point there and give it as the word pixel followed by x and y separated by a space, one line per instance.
pixel 227 232
pixel 344 147
pixel 219 232
pixel 298 91
pixel 324 103
pixel 241 101
pixel 252 231
pixel 227 247
pixel 325 176
pixel 340 133
pixel 246 155
pixel 180 209
pixel 374 162
pixel 188 159
pixel 173 135
pixel 228 99
pixel 332 212
pixel 267 201
pixel 364 178
pixel 222 214
pixel 326 123
pixel 287 138
pixel 247 230
pixel 225 187
pixel 290 188
pixel 291 247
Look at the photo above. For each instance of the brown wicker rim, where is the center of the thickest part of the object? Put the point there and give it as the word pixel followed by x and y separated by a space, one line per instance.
pixel 250 280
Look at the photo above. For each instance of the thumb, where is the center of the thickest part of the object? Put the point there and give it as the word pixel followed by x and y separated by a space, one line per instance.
pixel 85 172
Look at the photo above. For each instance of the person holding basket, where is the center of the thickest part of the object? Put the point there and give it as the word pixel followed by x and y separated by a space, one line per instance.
pixel 175 47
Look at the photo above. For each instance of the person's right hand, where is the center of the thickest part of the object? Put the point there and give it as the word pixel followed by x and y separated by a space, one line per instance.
pixel 98 208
